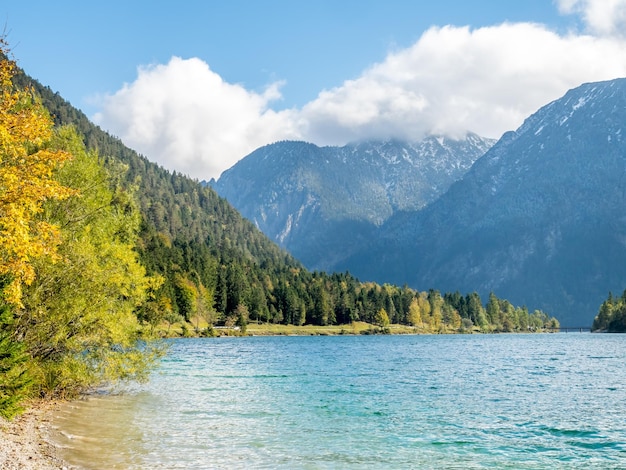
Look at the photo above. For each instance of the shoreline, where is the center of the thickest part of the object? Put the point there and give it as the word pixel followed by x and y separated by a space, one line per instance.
pixel 24 441
pixel 357 328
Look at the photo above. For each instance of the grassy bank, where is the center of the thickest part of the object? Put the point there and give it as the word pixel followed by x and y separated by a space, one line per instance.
pixel 197 328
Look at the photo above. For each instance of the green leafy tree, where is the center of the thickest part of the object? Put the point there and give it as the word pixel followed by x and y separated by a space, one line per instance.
pixel 474 307
pixel 415 313
pixel 522 318
pixel 204 307
pixel 382 319
pixel 493 310
pixel 436 305
pixel 424 305
pixel 451 317
pixel 236 287
pixel 603 318
pixel 186 297
pixel 242 318
pixel 322 312
pixel 78 320
pixel 15 379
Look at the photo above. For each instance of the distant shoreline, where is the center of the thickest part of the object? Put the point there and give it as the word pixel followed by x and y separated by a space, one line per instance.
pixel 357 328
pixel 273 329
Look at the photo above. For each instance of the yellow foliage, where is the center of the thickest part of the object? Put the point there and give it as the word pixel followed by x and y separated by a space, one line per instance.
pixel 26 182
pixel 415 313
pixel 78 319
pixel 382 318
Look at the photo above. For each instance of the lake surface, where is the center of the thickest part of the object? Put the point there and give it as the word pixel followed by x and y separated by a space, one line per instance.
pixel 354 402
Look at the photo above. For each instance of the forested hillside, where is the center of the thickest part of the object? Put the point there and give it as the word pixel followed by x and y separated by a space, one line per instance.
pixel 195 239
pixel 99 249
pixel 218 266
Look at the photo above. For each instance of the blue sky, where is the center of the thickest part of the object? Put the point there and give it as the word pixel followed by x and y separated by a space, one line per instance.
pixel 83 49
pixel 196 85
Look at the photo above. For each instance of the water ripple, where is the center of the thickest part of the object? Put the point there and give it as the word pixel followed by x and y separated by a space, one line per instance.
pixel 493 401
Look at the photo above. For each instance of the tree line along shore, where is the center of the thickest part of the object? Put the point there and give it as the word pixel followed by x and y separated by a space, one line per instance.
pixel 101 251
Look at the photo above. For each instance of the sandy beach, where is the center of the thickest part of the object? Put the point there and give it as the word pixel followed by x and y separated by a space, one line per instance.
pixel 24 443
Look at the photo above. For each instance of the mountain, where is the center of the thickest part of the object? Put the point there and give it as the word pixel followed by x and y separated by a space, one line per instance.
pixel 539 219
pixel 195 240
pixel 321 203
pixel 218 267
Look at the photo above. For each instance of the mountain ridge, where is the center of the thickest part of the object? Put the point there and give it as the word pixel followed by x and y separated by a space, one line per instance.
pixel 217 268
pixel 318 202
pixel 543 207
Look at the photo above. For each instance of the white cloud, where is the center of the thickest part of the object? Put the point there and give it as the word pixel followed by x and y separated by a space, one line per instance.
pixel 603 17
pixel 453 79
pixel 185 117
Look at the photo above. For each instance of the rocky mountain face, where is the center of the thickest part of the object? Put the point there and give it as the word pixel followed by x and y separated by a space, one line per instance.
pixel 540 219
pixel 323 203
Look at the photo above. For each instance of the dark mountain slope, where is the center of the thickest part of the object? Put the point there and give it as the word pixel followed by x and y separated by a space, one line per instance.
pixel 321 203
pixel 539 219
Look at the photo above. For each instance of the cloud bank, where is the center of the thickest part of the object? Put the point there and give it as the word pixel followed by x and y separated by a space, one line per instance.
pixel 602 17
pixel 452 80
pixel 185 117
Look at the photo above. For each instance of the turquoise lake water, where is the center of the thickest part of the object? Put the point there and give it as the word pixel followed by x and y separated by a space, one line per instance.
pixel 354 402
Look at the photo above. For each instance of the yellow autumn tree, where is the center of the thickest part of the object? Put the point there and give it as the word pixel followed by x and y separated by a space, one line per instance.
pixel 415 313
pixel 78 321
pixel 382 320
pixel 26 182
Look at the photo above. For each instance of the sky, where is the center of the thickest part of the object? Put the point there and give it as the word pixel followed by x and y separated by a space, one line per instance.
pixel 196 85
